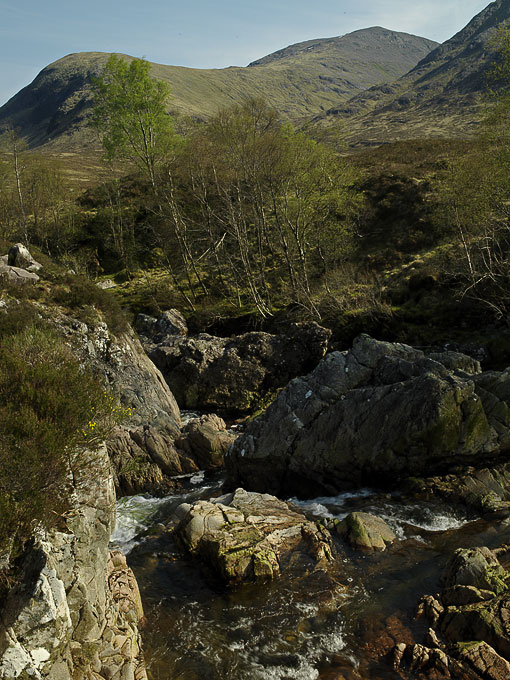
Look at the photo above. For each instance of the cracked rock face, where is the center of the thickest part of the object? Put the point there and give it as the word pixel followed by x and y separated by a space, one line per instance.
pixel 229 375
pixel 247 536
pixel 76 614
pixel 377 413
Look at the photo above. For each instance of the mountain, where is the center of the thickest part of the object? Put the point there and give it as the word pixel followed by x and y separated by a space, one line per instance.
pixel 300 81
pixel 440 96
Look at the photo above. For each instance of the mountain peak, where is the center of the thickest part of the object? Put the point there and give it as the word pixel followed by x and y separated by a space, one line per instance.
pixel 439 97
pixel 356 43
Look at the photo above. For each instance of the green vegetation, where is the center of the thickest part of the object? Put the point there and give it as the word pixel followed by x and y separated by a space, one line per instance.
pixel 50 410
pixel 130 114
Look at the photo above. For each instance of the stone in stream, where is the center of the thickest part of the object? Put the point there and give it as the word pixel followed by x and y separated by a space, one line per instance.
pixel 247 536
pixel 375 414
pixel 486 489
pixel 470 634
pixel 365 531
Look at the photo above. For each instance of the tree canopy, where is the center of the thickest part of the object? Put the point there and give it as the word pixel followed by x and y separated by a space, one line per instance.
pixel 130 114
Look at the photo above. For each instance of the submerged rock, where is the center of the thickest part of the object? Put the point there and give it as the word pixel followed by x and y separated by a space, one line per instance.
pixel 247 536
pixel 375 414
pixel 229 374
pixel 365 531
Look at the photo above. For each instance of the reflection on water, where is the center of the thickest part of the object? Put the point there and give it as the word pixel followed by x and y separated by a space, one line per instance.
pixel 320 626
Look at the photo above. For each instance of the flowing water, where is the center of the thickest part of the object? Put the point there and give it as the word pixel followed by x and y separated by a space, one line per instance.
pixel 320 626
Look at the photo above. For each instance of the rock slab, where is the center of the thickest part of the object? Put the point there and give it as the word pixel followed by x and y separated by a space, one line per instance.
pixel 247 536
pixel 373 415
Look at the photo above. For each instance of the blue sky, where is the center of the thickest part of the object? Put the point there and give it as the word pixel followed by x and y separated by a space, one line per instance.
pixel 199 33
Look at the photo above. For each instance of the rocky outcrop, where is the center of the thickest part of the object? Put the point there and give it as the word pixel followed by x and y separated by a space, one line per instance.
pixel 16 275
pixel 229 375
pixel 485 490
pixel 19 256
pixel 365 531
pixel 470 634
pixel 375 414
pixel 18 267
pixel 123 365
pixel 151 446
pixel 142 447
pixel 77 610
pixel 251 537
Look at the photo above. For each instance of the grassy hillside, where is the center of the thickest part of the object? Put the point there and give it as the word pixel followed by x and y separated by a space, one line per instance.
pixel 299 82
pixel 440 97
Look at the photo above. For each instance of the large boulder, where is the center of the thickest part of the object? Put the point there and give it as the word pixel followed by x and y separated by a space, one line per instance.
pixel 206 440
pixel 17 275
pixel 229 375
pixel 19 256
pixel 247 536
pixel 375 414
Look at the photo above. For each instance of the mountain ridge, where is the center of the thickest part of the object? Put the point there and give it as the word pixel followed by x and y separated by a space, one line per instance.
pixel 53 108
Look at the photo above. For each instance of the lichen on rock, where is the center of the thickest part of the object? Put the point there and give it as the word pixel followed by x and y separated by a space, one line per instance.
pixel 250 537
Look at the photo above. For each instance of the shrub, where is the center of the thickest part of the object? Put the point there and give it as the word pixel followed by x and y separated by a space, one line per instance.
pixel 80 294
pixel 50 407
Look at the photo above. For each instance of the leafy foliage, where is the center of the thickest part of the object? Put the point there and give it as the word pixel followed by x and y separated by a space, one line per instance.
pixel 130 114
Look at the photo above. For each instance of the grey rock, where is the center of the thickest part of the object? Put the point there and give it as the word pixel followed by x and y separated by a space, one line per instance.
pixel 233 374
pixel 106 284
pixel 76 600
pixel 16 275
pixel 19 256
pixel 375 414
pixel 476 567
pixel 365 531
pixel 170 323
pixel 486 661
pixel 485 489
pixel 144 442
pixel 206 441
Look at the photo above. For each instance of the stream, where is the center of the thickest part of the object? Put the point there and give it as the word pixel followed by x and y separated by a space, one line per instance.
pixel 297 627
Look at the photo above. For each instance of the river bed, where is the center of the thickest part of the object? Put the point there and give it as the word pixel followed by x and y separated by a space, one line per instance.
pixel 320 626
